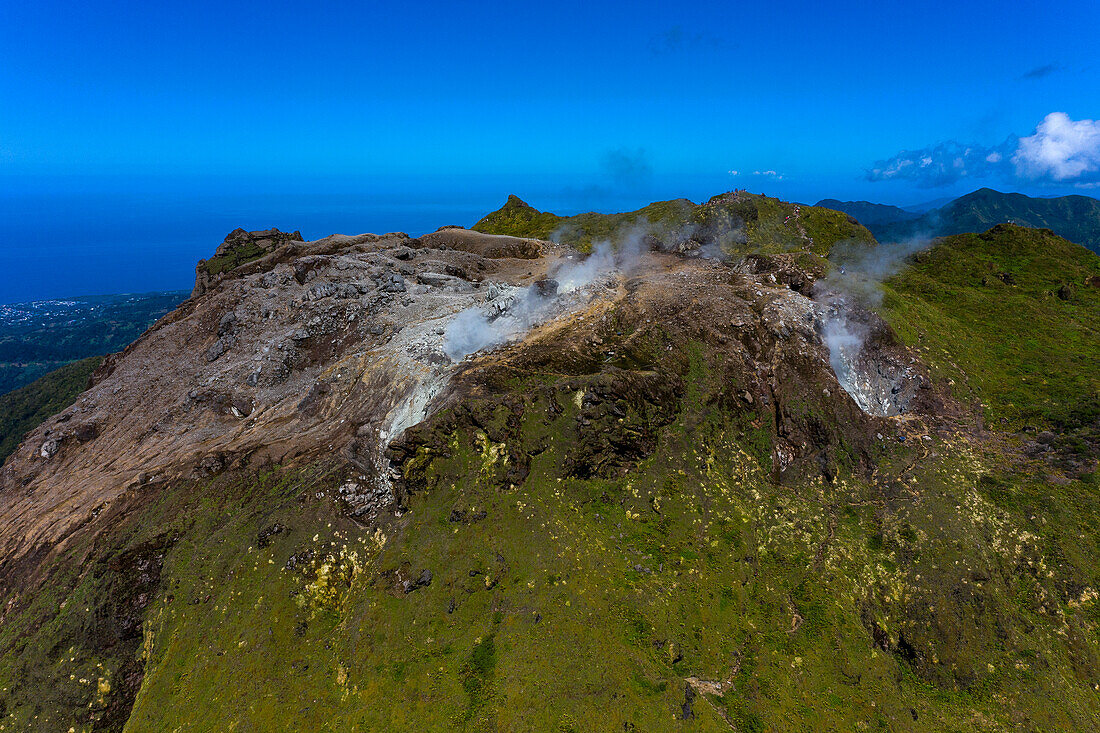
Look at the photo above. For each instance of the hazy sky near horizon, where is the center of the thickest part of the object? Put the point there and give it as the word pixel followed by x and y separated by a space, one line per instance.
pixel 233 108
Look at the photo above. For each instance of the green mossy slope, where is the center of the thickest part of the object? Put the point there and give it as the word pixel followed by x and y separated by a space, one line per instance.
pixel 26 408
pixel 953 588
pixel 517 218
pixel 738 222
pixel 907 602
pixel 1012 318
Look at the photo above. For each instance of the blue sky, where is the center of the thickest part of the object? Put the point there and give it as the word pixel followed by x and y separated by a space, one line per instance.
pixel 570 105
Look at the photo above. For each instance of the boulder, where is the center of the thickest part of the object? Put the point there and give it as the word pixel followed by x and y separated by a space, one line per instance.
pixel 436 279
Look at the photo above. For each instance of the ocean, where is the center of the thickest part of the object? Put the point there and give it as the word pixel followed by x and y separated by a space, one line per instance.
pixel 62 245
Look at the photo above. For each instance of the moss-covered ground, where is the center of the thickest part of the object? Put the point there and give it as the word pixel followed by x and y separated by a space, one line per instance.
pixel 955 588
pixel 930 598
pixel 236 257
pixel 1011 318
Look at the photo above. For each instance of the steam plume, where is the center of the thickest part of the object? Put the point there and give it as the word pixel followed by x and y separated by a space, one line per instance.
pixel 854 285
pixel 508 315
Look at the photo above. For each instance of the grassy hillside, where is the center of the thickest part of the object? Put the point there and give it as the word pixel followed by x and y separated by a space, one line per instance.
pixel 26 407
pixel 1012 318
pixel 519 219
pixel 1077 218
pixel 737 222
pixel 911 602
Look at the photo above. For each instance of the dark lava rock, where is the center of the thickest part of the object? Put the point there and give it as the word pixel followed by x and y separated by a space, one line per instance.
pixel 546 288
pixel 435 279
pixel 298 559
pixel 1035 449
pixel 462 516
pixel 86 432
pixel 686 713
pixel 227 324
pixel 423 581
pixel 263 539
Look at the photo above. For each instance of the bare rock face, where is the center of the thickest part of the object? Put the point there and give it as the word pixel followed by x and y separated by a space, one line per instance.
pixel 882 377
pixel 337 347
pixel 309 349
pixel 266 240
pixel 492 246
pixel 239 246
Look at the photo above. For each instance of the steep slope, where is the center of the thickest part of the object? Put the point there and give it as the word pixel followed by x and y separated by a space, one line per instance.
pixel 1077 218
pixel 38 337
pixel 27 407
pixel 733 223
pixel 646 504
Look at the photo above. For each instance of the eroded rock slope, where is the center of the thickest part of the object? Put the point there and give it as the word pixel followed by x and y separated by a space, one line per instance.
pixel 479 481
pixel 339 345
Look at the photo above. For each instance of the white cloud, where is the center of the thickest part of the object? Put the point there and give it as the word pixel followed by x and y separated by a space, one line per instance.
pixel 942 164
pixel 1060 150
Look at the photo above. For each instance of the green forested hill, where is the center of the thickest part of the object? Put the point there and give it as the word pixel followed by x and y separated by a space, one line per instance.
pixel 738 222
pixel 28 406
pixel 38 337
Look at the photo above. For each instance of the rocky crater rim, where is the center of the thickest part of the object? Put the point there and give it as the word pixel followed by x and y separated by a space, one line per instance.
pixel 340 345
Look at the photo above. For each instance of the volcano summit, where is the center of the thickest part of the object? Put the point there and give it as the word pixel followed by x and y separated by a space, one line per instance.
pixel 574 473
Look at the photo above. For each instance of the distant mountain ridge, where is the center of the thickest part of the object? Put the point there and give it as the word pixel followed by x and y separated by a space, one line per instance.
pixel 870 214
pixel 1077 218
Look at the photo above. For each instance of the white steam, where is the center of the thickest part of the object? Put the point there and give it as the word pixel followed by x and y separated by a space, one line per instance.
pixel 605 259
pixel 854 284
pixel 845 341
pixel 722 234
pixel 510 313
pixel 859 269
pixel 499 320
